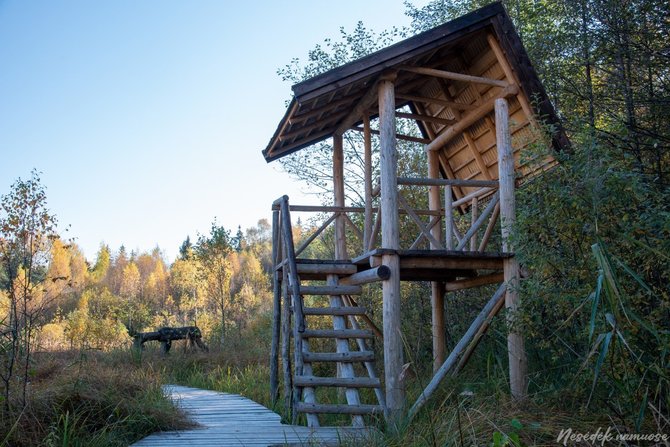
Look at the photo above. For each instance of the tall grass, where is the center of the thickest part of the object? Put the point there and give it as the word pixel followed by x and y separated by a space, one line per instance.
pixel 96 399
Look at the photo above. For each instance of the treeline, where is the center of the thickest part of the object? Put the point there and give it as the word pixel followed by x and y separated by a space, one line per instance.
pixel 53 298
pixel 219 284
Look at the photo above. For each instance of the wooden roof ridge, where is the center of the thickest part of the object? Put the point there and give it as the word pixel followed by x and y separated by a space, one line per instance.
pixel 341 88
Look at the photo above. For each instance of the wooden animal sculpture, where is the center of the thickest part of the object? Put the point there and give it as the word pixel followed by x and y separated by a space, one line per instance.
pixel 167 335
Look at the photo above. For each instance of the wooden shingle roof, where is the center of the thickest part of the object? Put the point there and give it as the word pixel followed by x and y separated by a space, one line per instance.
pixel 445 76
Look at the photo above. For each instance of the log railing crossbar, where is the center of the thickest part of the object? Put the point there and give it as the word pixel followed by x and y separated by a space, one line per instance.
pixel 485 188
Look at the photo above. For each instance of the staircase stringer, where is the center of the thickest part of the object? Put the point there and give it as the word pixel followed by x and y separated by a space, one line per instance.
pixel 342 345
pixel 362 346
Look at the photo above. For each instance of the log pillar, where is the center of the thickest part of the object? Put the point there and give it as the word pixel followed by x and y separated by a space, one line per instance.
pixel 515 342
pixel 367 226
pixel 276 312
pixel 338 187
pixel 393 346
pixel 338 200
pixel 437 288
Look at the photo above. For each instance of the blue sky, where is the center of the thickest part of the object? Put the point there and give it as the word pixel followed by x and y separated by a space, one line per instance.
pixel 147 118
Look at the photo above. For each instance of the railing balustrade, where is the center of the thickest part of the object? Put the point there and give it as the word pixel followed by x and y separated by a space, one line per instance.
pixel 482 192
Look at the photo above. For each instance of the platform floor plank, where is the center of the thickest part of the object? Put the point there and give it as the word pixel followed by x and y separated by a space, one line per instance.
pixel 231 420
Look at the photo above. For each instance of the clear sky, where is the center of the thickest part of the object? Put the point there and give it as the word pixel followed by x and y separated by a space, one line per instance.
pixel 147 118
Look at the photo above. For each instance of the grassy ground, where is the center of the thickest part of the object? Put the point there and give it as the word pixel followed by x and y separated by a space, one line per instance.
pixel 114 399
pixel 89 399
pixel 97 398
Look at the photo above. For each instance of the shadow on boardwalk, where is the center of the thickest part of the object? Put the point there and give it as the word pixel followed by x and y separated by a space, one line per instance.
pixel 232 420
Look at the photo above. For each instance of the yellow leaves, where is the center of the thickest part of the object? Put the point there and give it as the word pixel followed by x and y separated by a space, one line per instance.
pixel 130 281
pixel 51 337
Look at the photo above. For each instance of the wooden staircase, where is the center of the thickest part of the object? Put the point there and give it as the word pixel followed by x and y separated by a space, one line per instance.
pixel 345 327
pixel 337 282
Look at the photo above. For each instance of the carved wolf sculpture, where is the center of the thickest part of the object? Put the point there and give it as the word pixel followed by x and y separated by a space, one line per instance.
pixel 167 334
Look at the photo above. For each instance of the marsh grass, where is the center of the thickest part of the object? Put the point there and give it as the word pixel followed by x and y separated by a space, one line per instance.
pixel 89 399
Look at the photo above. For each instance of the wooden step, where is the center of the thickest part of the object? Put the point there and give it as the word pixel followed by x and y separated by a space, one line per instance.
pixel 343 357
pixel 333 333
pixel 334 310
pixel 302 407
pixel 330 290
pixel 325 269
pixel 345 382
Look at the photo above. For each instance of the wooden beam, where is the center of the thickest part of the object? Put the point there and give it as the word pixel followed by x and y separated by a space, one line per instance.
pixel 351 357
pixel 444 162
pixel 308 392
pixel 326 269
pixel 509 74
pixel 515 342
pixel 477 155
pixel 454 76
pixel 474 210
pixel 466 199
pixel 446 182
pixel 300 117
pixel 345 209
pixel 367 180
pixel 398 136
pixel 425 118
pixel 438 101
pixel 344 333
pixel 289 147
pixel 294 107
pixel 354 228
pixel 314 235
pixel 477 281
pixel 362 106
pixel 466 134
pixel 329 118
pixel 469 119
pixel 339 409
pixel 367 276
pixel 448 217
pixel 451 263
pixel 393 346
pixel 460 347
pixel 276 312
pixel 330 290
pixel 437 289
pixel 346 382
pixel 286 343
pixel 355 310
pixel 304 130
pixel 349 301
pixel 478 336
pixel 342 346
pixel 338 186
pixel 489 228
pixel 472 231
pixel 422 228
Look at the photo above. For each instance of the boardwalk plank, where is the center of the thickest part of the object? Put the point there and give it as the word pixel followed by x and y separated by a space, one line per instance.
pixel 228 420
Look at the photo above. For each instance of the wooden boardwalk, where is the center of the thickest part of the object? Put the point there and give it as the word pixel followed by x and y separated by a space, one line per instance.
pixel 232 420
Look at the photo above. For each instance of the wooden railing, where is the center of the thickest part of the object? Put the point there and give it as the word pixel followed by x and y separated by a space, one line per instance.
pixel 484 189
pixel 450 238
pixel 284 255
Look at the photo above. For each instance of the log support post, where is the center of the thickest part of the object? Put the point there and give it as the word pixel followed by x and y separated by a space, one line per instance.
pixel 276 312
pixel 393 346
pixel 338 187
pixel 515 343
pixel 340 220
pixel 437 288
pixel 367 226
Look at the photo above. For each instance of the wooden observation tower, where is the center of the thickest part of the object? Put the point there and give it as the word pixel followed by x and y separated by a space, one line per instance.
pixel 469 87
